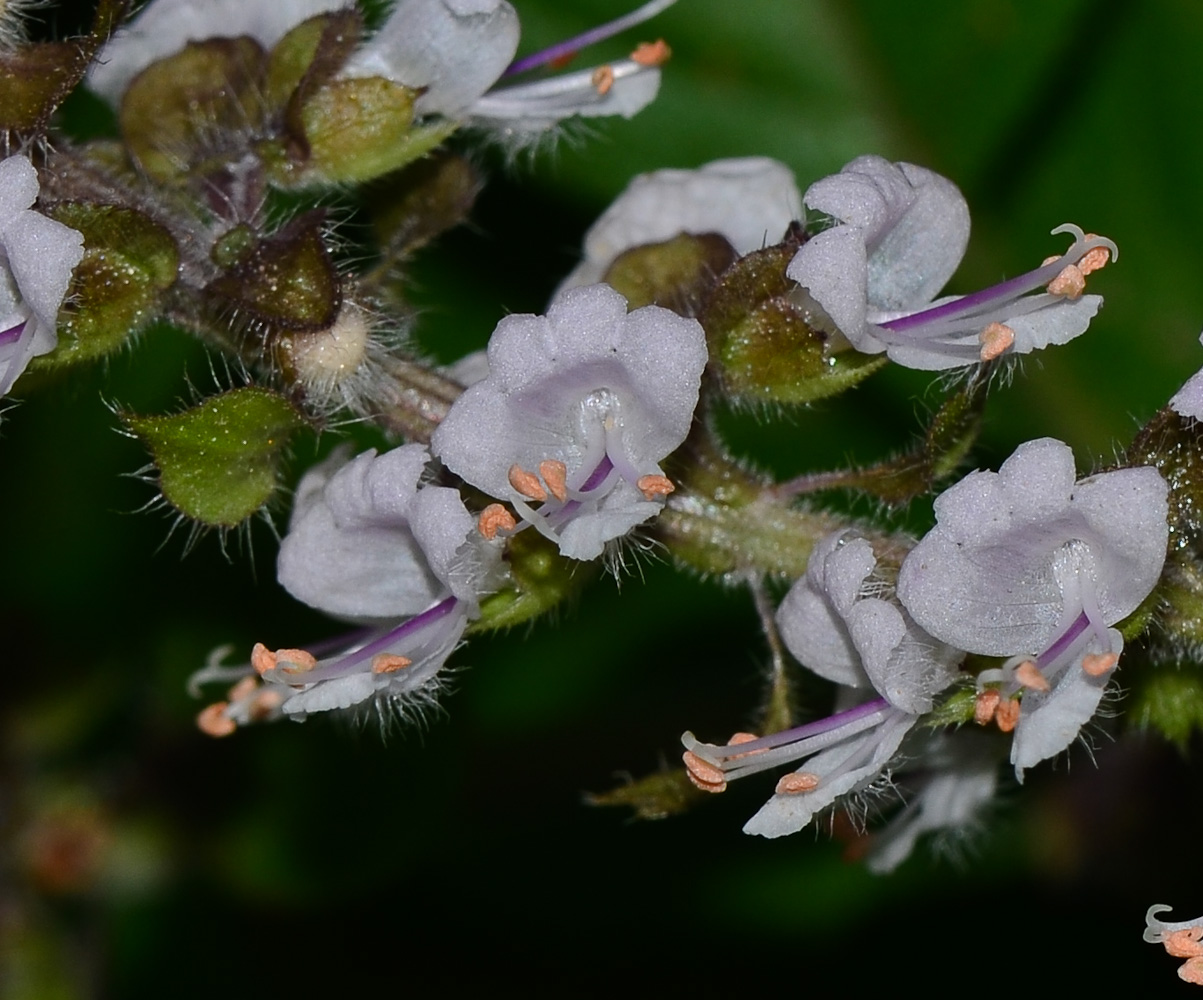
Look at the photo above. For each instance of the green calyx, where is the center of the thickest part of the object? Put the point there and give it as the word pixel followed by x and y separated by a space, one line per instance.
pixel 129 262
pixel 677 274
pixel 540 579
pixel 765 345
pixel 218 462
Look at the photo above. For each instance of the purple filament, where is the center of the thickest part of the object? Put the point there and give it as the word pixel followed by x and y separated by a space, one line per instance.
pixel 1070 635
pixel 12 334
pixel 406 628
pixel 799 733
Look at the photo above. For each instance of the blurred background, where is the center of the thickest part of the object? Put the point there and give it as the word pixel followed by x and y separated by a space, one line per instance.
pixel 138 857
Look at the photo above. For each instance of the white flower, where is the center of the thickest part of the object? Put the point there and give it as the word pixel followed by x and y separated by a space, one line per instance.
pixel 1029 564
pixel 37 256
pixel 835 622
pixel 164 27
pixel 577 411
pixel 457 50
pixel 901 233
pixel 865 642
pixel 749 201
pixel 369 544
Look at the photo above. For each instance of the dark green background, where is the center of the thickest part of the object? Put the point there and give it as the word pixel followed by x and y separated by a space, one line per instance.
pixel 319 858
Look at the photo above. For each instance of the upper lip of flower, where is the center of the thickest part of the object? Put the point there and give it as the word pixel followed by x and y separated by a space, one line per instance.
pixel 590 393
pixel 902 231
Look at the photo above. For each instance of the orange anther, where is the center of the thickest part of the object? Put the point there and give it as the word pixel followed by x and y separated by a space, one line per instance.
pixel 1097 664
pixel 995 339
pixel 1070 283
pixel 1051 260
pixel 213 720
pixel 1029 675
pixel 603 79
pixel 555 475
pixel 655 53
pixel 1192 971
pixel 299 661
pixel 266 702
pixel 262 659
pixel 1094 259
pixel 655 486
pixel 1184 943
pixel 389 663
pixel 242 689
pixel 495 518
pixel 984 706
pixel 703 774
pixel 526 483
pixel 739 738
pixel 797 783
pixel 1007 714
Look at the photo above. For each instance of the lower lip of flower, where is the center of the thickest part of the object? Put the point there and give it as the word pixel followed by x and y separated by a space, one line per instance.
pixel 971 314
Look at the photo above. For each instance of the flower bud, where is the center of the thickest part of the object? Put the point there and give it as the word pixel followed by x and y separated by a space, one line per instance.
pixel 218 462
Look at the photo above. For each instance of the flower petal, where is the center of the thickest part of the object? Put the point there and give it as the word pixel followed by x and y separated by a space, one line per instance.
pixel 455 49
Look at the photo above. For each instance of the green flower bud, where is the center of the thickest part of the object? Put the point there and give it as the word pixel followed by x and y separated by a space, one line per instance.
pixel 195 108
pixel 286 281
pixel 218 462
pixel 677 274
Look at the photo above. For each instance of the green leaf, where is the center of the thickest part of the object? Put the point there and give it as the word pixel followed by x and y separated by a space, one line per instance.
pixel 219 462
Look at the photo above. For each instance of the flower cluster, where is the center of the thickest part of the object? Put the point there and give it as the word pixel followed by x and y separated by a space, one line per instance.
pixel 1024 563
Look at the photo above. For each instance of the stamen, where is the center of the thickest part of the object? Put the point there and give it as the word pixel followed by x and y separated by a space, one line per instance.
pixel 12 334
pixel 1191 971
pixel 1094 259
pixel 1184 943
pixel 567 49
pixel 526 483
pixel 299 661
pixel 603 79
pixel 1028 675
pixel 265 703
pixel 1007 714
pixel 243 689
pixel 703 774
pixel 1069 284
pixel 996 338
pixel 262 659
pixel 1097 664
pixel 797 783
pixel 739 738
pixel 213 721
pixel 495 518
pixel 555 475
pixel 985 705
pixel 655 486
pixel 389 663
pixel 655 53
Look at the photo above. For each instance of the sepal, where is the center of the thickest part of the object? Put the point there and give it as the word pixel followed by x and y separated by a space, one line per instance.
pixel 765 346
pixel 129 262
pixel 218 462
